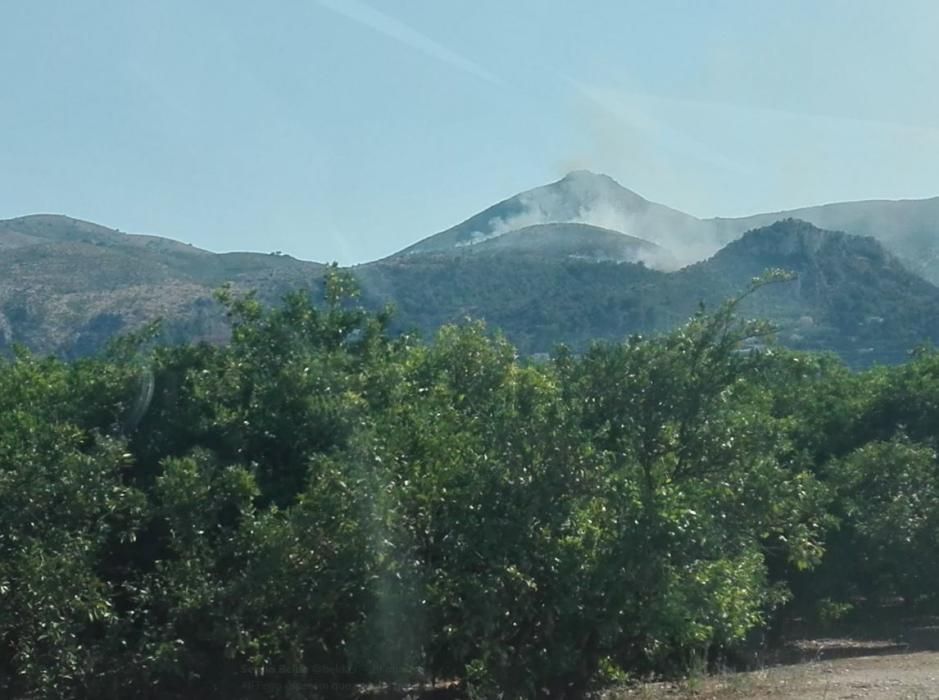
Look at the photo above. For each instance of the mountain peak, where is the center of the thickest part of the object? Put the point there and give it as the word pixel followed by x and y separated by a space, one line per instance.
pixel 584 174
pixel 580 197
pixel 600 184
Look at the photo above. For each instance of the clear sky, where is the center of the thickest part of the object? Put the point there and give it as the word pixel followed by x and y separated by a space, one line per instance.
pixel 347 129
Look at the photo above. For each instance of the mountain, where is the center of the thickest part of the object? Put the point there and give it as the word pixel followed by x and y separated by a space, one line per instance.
pixel 850 295
pixel 581 197
pixel 908 228
pixel 574 260
pixel 66 285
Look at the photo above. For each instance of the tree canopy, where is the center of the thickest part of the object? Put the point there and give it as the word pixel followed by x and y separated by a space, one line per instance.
pixel 323 501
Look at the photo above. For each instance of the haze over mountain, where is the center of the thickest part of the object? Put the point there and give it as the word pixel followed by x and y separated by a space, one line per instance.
pixel 571 240
pixel 574 260
pixel 850 295
pixel 581 197
pixel 908 228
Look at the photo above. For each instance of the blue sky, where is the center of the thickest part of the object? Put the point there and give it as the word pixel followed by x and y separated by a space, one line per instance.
pixel 345 129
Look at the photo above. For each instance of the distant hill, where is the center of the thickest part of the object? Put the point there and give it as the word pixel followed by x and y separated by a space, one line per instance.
pixel 66 285
pixel 574 260
pixel 851 295
pixel 908 228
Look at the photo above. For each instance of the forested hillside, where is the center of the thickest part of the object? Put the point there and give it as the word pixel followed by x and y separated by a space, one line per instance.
pixel 908 228
pixel 67 287
pixel 848 294
pixel 321 506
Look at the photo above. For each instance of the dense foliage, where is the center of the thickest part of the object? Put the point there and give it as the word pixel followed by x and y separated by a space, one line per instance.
pixel 321 501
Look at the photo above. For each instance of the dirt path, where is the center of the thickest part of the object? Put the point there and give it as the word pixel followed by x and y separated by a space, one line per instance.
pixel 912 676
pixel 891 676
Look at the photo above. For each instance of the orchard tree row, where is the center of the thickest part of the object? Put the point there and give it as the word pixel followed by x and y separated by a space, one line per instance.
pixel 320 499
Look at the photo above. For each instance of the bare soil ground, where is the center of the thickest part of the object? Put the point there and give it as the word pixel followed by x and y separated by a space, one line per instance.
pixel 913 676
pixel 832 669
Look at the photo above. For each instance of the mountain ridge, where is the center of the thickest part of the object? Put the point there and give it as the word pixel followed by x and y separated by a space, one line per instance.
pixel 67 285
pixel 908 227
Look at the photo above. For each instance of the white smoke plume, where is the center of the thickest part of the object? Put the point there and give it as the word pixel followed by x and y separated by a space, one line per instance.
pixel 599 201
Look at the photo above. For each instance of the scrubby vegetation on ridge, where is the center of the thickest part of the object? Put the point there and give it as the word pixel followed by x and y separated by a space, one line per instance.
pixel 320 500
pixel 68 287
